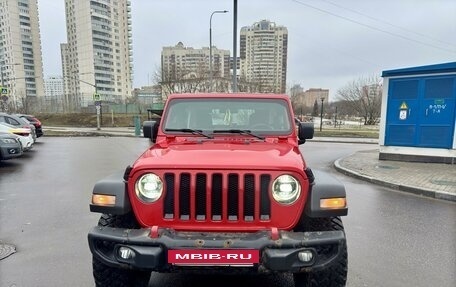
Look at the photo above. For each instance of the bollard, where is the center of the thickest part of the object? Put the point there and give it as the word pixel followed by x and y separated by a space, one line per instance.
pixel 137 121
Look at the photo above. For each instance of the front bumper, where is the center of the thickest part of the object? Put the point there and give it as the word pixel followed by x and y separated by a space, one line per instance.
pixel 280 255
pixel 9 151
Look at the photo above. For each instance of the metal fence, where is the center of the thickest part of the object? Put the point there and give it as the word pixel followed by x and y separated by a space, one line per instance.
pixel 33 105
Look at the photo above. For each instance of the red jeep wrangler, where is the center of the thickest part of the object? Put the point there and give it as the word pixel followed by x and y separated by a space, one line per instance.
pixel 223 186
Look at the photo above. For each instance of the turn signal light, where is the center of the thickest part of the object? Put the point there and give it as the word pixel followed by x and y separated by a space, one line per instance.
pixel 333 203
pixel 101 199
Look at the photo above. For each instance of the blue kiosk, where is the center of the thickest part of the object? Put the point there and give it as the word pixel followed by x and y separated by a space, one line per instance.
pixel 418 117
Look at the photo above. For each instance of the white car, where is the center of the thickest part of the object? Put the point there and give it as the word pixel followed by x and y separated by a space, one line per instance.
pixel 25 135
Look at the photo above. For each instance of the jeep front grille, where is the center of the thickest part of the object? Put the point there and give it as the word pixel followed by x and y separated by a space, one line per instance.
pixel 217 197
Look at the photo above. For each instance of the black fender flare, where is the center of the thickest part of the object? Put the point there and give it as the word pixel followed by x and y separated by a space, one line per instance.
pixel 114 185
pixel 324 186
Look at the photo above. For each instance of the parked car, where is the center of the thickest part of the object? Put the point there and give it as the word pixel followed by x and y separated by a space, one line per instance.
pixel 10 146
pixel 25 136
pixel 18 122
pixel 34 121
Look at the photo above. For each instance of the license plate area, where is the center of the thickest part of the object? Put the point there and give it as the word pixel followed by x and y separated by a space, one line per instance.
pixel 214 257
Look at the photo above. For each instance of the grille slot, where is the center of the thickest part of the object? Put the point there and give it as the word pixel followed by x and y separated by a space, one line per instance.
pixel 233 197
pixel 249 197
pixel 265 204
pixel 184 197
pixel 200 196
pixel 216 200
pixel 218 197
pixel 168 209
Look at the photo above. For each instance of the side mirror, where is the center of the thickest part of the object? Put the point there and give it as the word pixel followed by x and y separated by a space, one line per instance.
pixel 150 130
pixel 305 132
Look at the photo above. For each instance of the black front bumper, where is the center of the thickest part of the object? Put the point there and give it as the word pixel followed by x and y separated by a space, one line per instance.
pixel 9 151
pixel 275 255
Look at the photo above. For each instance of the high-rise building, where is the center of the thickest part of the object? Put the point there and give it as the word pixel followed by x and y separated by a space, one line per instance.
pixel 53 87
pixel 180 62
pixel 21 64
pixel 98 54
pixel 263 53
pixel 54 94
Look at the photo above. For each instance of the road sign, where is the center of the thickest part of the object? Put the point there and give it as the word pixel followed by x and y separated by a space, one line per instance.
pixel 4 90
pixel 4 98
pixel 97 104
pixel 96 97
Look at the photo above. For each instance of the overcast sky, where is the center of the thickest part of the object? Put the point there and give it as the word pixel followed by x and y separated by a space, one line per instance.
pixel 330 42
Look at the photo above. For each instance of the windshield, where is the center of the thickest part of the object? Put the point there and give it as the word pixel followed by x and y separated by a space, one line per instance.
pixel 265 116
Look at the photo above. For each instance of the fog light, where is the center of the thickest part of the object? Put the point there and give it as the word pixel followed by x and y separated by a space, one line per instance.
pixel 126 253
pixel 305 256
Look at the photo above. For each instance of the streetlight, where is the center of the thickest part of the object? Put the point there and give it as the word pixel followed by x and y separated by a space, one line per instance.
pixel 210 45
pixel 321 113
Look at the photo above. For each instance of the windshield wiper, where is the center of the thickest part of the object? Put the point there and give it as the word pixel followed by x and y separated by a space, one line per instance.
pixel 192 131
pixel 237 131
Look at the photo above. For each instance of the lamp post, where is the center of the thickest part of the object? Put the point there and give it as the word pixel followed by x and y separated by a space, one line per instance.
pixel 235 9
pixel 210 45
pixel 321 113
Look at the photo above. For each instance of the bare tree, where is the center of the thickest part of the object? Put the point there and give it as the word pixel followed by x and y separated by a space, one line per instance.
pixel 190 80
pixel 257 84
pixel 364 95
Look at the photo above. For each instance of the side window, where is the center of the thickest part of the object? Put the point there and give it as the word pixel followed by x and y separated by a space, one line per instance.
pixel 12 121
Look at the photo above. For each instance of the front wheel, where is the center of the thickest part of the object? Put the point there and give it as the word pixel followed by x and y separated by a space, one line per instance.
pixel 336 274
pixel 107 276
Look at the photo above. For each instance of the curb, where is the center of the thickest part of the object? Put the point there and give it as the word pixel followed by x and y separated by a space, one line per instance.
pixel 343 140
pixel 88 133
pixel 400 187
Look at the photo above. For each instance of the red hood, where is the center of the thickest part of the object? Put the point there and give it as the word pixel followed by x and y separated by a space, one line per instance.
pixel 219 154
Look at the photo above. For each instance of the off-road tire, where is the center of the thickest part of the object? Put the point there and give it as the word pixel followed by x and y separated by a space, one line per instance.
pixel 336 274
pixel 106 276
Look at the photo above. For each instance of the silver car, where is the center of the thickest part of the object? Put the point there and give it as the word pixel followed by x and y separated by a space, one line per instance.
pixel 19 122
pixel 10 146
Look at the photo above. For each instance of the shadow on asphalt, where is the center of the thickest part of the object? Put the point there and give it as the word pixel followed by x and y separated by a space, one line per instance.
pixel 195 280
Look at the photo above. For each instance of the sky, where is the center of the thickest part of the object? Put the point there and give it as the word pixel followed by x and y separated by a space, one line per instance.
pixel 330 42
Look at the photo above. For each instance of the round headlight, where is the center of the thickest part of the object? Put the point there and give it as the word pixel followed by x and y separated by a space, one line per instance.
pixel 286 189
pixel 149 187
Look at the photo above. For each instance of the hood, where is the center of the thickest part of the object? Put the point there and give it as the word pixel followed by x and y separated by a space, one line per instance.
pixel 221 155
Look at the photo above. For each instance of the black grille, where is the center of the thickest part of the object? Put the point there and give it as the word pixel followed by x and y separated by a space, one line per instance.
pixel 217 196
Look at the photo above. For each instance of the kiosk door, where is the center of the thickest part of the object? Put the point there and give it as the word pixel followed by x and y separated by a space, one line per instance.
pixel 421 112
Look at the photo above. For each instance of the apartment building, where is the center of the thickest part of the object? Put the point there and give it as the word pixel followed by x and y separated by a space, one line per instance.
pixel 314 94
pixel 98 54
pixel 263 54
pixel 21 64
pixel 180 62
pixel 53 87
